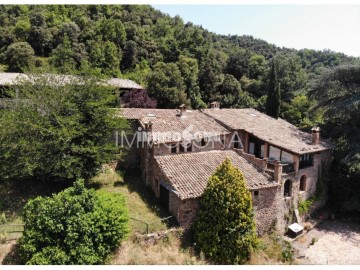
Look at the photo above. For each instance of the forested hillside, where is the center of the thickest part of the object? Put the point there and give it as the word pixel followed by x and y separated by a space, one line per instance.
pixel 184 63
pixel 177 62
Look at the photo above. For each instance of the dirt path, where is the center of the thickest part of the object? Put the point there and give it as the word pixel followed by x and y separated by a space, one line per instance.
pixel 331 242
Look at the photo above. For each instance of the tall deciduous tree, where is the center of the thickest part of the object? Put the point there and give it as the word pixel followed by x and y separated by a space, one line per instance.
pixel 167 86
pixel 338 94
pixel 274 95
pixel 19 57
pixel 225 229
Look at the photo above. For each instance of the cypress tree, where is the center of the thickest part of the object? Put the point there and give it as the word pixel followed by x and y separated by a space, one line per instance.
pixel 274 95
pixel 225 228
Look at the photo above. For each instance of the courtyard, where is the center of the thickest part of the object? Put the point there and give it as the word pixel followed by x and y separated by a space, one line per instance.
pixel 330 242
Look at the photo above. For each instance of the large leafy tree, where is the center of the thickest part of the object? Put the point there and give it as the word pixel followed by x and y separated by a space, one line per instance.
pixel 338 95
pixel 167 86
pixel 19 57
pixel 229 91
pixel 138 98
pixel 273 101
pixel 59 128
pixel 75 226
pixel 225 228
pixel 190 71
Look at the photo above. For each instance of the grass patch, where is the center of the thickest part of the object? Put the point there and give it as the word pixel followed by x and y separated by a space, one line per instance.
pixel 165 251
pixel 273 250
pixel 144 206
pixel 141 200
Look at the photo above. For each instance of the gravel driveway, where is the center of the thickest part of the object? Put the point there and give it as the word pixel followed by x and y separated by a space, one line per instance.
pixel 331 242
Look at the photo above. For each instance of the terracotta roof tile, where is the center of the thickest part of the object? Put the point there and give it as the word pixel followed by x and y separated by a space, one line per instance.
pixel 167 124
pixel 188 173
pixel 275 131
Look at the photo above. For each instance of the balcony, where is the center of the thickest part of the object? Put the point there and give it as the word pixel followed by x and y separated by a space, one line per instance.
pixel 305 163
pixel 286 167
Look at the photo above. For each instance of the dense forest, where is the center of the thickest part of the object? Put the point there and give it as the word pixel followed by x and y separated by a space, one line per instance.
pixel 180 62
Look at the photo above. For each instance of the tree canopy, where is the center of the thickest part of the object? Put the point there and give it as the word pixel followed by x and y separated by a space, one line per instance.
pixel 76 226
pixel 58 129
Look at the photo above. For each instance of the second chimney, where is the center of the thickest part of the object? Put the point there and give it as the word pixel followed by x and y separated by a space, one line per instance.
pixel 315 135
pixel 215 105
pixel 182 108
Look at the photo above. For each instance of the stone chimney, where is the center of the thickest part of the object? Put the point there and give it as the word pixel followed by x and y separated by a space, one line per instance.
pixel 277 171
pixel 182 108
pixel 215 105
pixel 148 130
pixel 315 135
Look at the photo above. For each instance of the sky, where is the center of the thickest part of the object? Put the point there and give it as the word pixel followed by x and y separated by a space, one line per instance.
pixel 334 27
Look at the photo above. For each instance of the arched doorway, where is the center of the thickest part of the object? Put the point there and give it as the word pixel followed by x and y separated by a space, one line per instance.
pixel 287 188
pixel 302 183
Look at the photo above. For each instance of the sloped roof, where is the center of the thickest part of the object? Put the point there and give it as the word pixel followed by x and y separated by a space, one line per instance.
pixel 12 78
pixel 169 126
pixel 277 132
pixel 189 173
pixel 124 83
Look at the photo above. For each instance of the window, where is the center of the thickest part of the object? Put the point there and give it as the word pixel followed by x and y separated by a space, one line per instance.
pixel 303 183
pixel 173 148
pixel 274 153
pixel 203 142
pixel 222 142
pixel 256 193
pixel 256 147
pixel 287 188
pixel 306 160
pixel 286 157
pixel 182 149
pixel 237 143
pixel 252 148
pixel 189 147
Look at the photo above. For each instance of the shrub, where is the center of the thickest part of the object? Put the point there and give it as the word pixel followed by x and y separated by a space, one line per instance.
pixel 75 226
pixel 225 229
pixel 304 206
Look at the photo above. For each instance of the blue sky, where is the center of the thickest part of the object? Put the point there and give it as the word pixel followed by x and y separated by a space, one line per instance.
pixel 333 27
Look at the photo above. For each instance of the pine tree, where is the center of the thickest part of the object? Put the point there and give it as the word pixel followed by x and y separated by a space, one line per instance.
pixel 274 94
pixel 225 228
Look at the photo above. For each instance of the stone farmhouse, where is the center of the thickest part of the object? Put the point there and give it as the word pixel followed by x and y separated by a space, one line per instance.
pixel 182 148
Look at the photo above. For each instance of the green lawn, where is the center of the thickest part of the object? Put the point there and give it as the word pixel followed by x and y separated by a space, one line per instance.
pixel 141 201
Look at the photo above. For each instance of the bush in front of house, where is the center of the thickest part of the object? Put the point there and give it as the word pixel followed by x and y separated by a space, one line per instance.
pixel 75 226
pixel 225 228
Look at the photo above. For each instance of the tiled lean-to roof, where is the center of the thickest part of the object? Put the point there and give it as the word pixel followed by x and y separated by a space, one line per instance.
pixel 188 173
pixel 12 79
pixel 277 132
pixel 167 124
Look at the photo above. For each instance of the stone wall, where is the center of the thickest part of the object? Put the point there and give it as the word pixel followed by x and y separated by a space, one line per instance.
pixel 321 165
pixel 265 206
pixel 131 156
pixel 187 211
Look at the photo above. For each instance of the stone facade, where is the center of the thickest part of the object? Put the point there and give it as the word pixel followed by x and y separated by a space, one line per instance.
pixel 274 205
pixel 266 205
